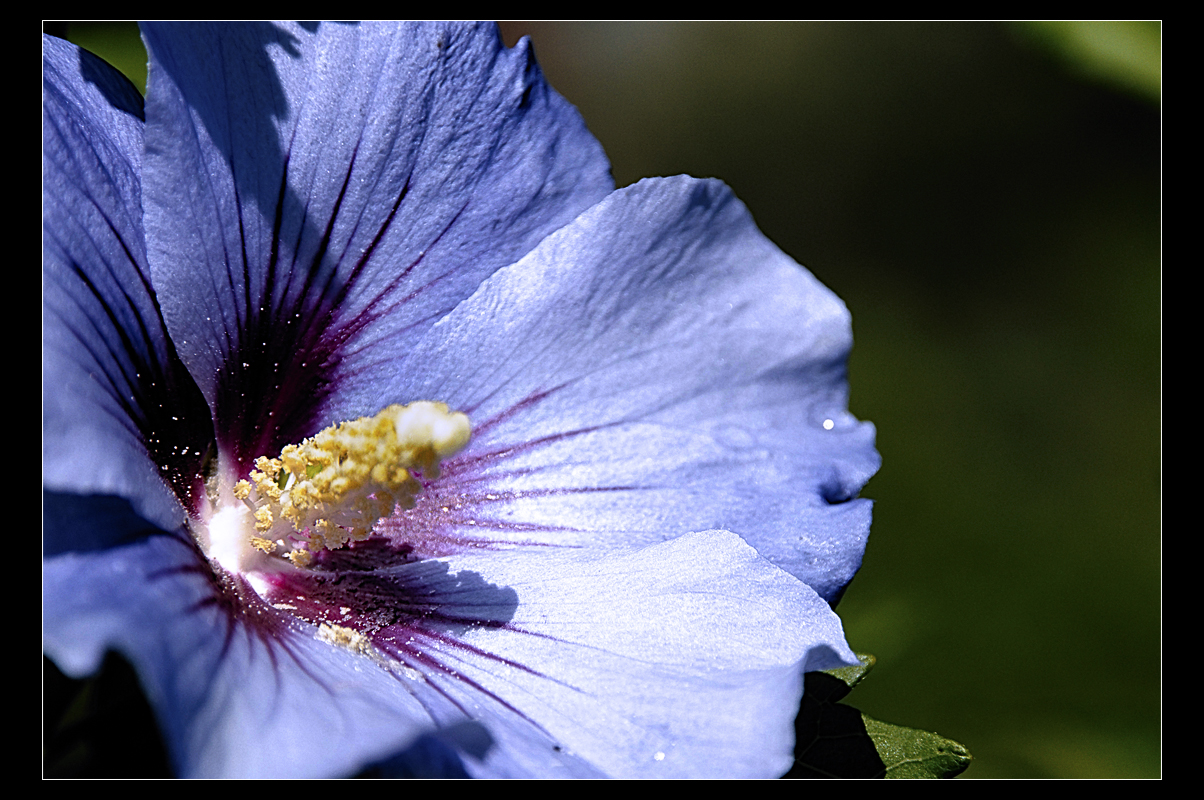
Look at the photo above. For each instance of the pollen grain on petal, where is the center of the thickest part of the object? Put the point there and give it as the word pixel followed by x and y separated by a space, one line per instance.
pixel 347 638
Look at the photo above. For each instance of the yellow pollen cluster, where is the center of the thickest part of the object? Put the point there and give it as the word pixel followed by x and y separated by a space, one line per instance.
pixel 333 487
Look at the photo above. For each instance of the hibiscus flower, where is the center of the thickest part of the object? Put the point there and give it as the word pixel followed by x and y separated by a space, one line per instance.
pixel 624 478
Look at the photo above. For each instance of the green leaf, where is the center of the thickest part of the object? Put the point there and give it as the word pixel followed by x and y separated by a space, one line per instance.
pixel 851 676
pixel 909 753
pixel 834 740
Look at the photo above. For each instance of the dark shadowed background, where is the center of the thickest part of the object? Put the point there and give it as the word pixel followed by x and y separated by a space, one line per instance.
pixel 986 198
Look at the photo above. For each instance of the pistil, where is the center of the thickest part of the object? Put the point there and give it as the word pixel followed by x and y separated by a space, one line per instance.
pixel 333 487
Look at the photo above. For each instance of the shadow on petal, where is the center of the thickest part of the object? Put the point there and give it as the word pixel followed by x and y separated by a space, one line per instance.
pixel 87 523
pixel 435 755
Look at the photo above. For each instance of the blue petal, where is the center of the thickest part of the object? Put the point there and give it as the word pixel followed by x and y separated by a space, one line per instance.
pixel 239 689
pixel 656 367
pixel 121 417
pixel 682 659
pixel 317 196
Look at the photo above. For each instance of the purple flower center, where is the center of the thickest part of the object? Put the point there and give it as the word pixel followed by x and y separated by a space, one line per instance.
pixel 370 594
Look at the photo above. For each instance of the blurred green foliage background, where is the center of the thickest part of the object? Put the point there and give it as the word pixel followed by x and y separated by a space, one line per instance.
pixel 986 198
